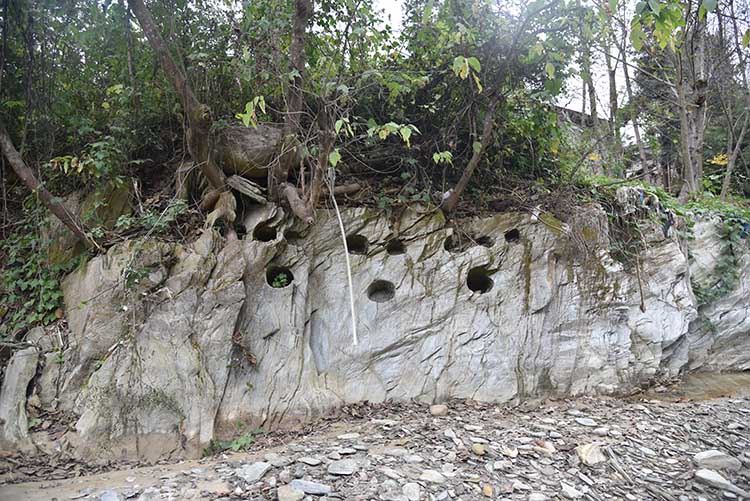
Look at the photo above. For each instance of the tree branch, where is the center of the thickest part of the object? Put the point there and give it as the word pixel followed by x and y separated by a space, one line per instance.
pixel 67 217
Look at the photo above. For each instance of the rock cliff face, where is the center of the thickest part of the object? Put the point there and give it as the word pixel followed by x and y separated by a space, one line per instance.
pixel 172 346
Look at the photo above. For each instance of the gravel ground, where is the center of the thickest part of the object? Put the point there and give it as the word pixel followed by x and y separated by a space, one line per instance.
pixel 654 447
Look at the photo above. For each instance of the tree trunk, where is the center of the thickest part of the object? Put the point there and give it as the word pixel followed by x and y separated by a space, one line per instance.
pixel 278 174
pixel 52 203
pixel 489 123
pixel 198 114
pixel 633 110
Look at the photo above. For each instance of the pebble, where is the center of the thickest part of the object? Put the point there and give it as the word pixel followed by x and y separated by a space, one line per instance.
pixel 309 487
pixel 537 496
pixel 251 473
pixel 432 476
pixel 310 461
pixel 343 467
pixel 510 452
pixel 570 492
pixel 289 493
pixel 412 491
pixel 716 460
pixel 714 479
pixel 586 422
pixel 478 449
pixel 439 410
pixel 590 454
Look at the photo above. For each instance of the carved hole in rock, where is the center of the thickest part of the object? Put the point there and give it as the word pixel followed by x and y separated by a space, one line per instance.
pixel 279 277
pixel 381 291
pixel 395 247
pixel 478 280
pixel 459 242
pixel 264 233
pixel 485 241
pixel 292 236
pixel 357 244
pixel 512 235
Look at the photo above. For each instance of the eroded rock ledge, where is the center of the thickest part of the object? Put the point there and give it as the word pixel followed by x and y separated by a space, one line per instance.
pixel 171 346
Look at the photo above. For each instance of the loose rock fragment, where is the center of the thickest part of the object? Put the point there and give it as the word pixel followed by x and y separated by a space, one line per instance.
pixel 411 491
pixel 716 460
pixel 432 476
pixel 714 479
pixel 590 454
pixel 251 473
pixel 439 410
pixel 343 467
pixel 289 493
pixel 478 449
pixel 309 487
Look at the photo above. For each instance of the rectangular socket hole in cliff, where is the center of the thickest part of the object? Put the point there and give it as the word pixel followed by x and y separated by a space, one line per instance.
pixel 395 246
pixel 279 277
pixel 381 291
pixel 264 232
pixel 478 280
pixel 512 235
pixel 357 244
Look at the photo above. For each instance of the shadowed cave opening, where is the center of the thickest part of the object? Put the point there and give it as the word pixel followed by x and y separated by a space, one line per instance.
pixel 512 235
pixel 478 280
pixel 357 244
pixel 395 247
pixel 279 277
pixel 263 232
pixel 381 291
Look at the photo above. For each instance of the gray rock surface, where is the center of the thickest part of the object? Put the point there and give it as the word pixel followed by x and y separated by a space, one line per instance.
pixel 720 338
pixel 171 346
pixel 14 424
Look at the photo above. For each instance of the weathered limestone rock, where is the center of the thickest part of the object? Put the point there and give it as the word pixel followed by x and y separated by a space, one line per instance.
pixel 720 338
pixel 14 424
pixel 548 323
pixel 171 346
pixel 150 346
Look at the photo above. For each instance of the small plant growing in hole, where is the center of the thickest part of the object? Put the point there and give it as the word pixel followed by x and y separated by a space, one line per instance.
pixel 279 277
pixel 281 280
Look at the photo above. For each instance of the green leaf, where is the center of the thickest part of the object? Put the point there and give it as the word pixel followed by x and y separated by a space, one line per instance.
pixel 549 68
pixel 746 38
pixel 636 36
pixel 640 7
pixel 612 5
pixel 655 7
pixel 338 125
pixel 405 135
pixel 334 157
pixel 702 12
pixel 427 15
pixel 476 146
pixel 474 63
pixel 710 5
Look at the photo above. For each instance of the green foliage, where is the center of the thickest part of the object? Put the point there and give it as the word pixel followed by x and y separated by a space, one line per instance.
pixel 238 444
pixel 153 221
pixel 30 292
pixel 101 161
pixel 280 281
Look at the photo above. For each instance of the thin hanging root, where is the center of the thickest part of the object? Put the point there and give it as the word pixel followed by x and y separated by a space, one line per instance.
pixel 355 340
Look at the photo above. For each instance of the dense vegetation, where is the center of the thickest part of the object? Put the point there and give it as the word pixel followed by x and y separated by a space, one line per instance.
pixel 287 99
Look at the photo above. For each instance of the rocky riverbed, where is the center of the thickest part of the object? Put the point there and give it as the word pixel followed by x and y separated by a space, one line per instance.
pixel 658 446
